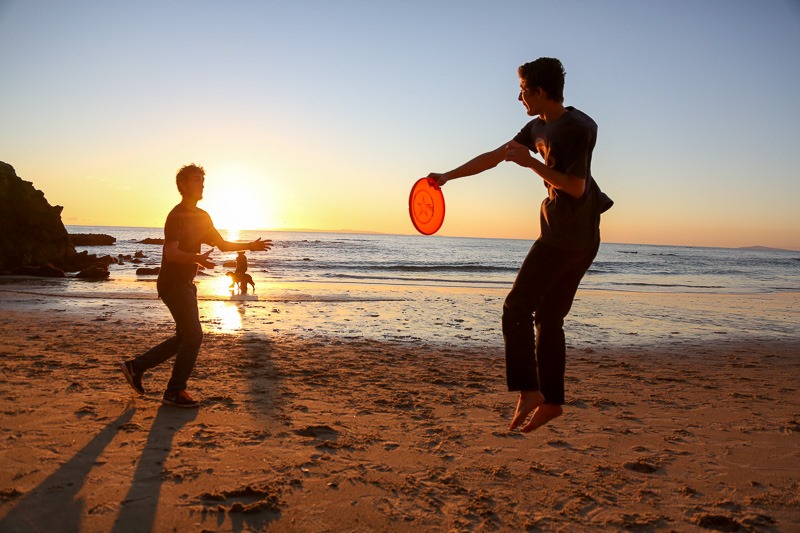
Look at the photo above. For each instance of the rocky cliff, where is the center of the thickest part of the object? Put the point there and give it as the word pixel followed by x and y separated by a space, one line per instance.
pixel 31 232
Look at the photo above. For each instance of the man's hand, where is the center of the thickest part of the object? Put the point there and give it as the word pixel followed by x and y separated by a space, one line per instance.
pixel 204 261
pixel 518 153
pixel 440 179
pixel 259 246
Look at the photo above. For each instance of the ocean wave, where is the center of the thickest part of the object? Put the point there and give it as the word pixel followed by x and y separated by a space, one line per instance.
pixel 663 285
pixel 307 264
pixel 447 268
pixel 444 281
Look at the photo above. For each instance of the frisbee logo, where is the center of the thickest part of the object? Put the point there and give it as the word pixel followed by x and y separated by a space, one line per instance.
pixel 423 206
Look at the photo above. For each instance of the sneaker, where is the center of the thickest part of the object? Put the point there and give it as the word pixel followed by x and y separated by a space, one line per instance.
pixel 180 399
pixel 134 378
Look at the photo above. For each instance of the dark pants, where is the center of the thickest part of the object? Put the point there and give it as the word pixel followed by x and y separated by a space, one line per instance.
pixel 181 300
pixel 542 296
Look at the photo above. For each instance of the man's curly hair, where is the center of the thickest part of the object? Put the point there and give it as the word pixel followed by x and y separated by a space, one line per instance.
pixel 186 171
pixel 547 73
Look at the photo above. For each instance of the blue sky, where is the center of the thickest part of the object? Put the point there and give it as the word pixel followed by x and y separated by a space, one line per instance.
pixel 322 114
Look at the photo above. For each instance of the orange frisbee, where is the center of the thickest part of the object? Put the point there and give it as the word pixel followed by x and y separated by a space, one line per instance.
pixel 426 206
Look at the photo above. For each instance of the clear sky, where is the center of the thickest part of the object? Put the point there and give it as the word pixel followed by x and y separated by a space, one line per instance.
pixel 321 115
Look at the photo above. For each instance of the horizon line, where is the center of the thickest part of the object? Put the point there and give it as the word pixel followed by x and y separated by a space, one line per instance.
pixel 367 232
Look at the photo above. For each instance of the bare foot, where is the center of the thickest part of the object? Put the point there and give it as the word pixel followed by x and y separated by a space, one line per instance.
pixel 543 414
pixel 528 402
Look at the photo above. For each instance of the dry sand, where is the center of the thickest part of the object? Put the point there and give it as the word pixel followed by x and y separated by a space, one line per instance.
pixel 335 434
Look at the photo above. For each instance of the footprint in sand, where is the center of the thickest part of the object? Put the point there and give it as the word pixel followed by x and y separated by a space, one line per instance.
pixel 249 499
pixel 642 467
pixel 318 432
pixel 718 522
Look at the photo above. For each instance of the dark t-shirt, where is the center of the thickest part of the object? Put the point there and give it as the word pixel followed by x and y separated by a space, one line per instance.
pixel 566 145
pixel 191 228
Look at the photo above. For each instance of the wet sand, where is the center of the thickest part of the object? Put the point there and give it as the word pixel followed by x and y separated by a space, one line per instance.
pixel 669 426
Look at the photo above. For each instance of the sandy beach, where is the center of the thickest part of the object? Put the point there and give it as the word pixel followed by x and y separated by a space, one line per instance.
pixel 667 428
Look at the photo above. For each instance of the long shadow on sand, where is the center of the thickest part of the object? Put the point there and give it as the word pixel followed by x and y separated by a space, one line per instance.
pixel 54 505
pixel 259 366
pixel 141 503
pixel 239 356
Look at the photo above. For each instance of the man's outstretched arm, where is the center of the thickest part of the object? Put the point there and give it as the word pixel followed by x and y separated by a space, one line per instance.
pixel 476 165
pixel 257 245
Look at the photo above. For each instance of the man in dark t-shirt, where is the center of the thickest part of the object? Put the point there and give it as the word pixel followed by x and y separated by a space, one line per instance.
pixel 186 229
pixel 542 295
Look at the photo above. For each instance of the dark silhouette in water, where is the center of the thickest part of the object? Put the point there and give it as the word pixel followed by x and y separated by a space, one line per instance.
pixel 240 282
pixel 240 278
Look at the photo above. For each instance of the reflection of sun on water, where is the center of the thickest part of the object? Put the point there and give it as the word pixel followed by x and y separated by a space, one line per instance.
pixel 220 285
pixel 220 314
pixel 232 235
pixel 225 317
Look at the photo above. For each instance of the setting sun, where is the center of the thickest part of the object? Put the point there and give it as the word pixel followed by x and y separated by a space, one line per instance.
pixel 239 199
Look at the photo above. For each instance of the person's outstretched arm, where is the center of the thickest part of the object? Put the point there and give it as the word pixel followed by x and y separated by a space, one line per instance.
pixel 476 165
pixel 253 246
pixel 521 155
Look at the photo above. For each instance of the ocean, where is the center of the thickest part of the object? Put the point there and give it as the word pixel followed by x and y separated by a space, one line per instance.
pixel 440 290
pixel 341 258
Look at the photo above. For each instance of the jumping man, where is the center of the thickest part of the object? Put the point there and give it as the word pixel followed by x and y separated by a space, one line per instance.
pixel 534 310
